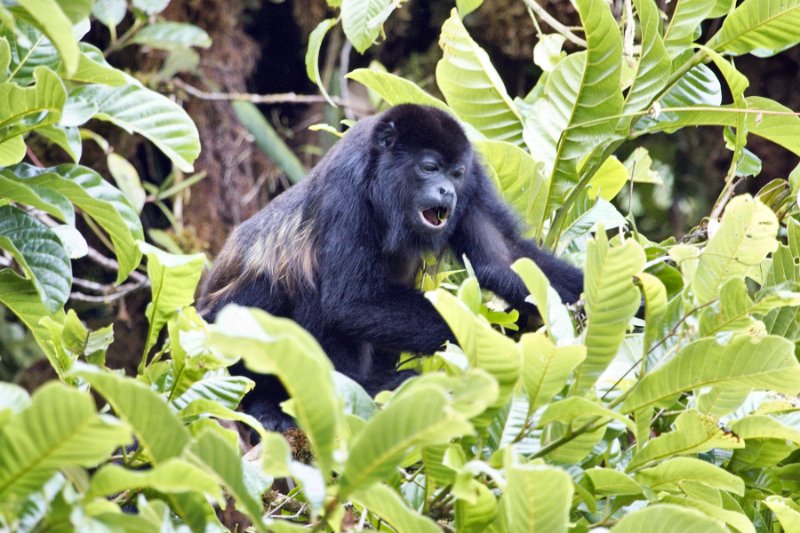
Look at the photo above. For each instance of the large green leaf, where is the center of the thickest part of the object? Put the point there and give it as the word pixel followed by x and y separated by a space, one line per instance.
pixel 693 433
pixel 536 498
pixel 222 460
pixel 652 69
pixel 172 476
pixel 786 510
pixel 278 346
pixel 60 429
pixel 485 347
pixel 39 253
pixel 745 237
pixel 57 26
pixel 105 204
pixel 669 519
pixel 683 24
pixel 547 301
pixel 611 301
pixel 567 121
pixel 519 180
pixel 767 363
pixel 149 416
pixel 173 280
pixel 760 27
pixel 671 474
pixel 418 418
pixel 546 367
pixel 472 87
pixel 137 109
pixel 24 109
pixel 362 20
pixel 606 481
pixel 783 321
pixel 387 504
pixel 764 117
pixel 394 89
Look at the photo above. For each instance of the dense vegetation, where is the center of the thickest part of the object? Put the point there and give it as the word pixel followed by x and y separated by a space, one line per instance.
pixel 688 419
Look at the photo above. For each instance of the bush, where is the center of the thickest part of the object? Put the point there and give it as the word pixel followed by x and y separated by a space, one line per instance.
pixel 687 420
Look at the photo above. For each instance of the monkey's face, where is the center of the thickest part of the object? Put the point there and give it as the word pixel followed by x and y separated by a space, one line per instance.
pixel 435 184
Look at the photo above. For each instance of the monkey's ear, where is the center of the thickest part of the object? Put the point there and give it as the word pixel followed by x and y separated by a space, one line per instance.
pixel 385 134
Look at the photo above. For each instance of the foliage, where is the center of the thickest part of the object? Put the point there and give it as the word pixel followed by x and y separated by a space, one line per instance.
pixel 687 420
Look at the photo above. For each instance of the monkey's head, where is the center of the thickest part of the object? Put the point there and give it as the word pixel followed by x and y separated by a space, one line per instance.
pixel 421 170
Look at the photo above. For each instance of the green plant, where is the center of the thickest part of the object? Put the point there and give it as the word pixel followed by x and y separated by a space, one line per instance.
pixel 687 420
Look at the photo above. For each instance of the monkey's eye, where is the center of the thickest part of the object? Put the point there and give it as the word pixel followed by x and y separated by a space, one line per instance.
pixel 429 167
pixel 458 173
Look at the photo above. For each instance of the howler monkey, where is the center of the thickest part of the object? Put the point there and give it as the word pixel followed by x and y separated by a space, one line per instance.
pixel 339 252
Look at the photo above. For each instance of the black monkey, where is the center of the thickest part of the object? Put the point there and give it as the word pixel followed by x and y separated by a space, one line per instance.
pixel 339 252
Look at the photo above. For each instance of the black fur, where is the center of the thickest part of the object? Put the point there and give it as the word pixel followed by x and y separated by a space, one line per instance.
pixel 347 262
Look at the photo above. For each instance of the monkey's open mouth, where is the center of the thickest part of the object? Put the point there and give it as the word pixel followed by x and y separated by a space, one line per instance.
pixel 435 217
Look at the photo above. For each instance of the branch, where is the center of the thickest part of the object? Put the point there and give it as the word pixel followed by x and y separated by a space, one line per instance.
pixel 555 24
pixel 276 98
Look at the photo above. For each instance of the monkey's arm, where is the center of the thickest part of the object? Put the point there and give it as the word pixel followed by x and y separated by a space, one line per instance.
pixel 488 235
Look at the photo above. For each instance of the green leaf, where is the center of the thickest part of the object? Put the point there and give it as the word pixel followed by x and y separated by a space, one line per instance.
pixel 736 520
pixel 547 301
pixel 394 89
pixel 584 88
pixel 95 197
pixel 171 36
pixel 472 87
pixel 127 179
pixel 387 504
pixel 150 7
pixel 671 474
pixel 786 510
pixel 66 137
pixel 608 180
pixel 24 109
pixel 767 363
pixel 465 7
pixel 745 237
pixel 362 20
pixel 519 180
pixel 278 346
pixel 611 301
pixel 765 427
pixel 169 477
pixel 422 417
pixel 21 297
pixel 152 420
pixel 683 24
pixel 608 482
pixel 39 253
pixel 764 117
pixel 137 109
pixel 782 321
pixel 546 367
pixel 224 462
pixel 485 347
pixel 43 198
pixel 655 305
pixel 12 151
pixel 312 55
pixel 570 409
pixel 759 27
pixel 93 68
pixel 536 498
pixel 693 433
pixel 57 26
pixel 653 67
pixel 110 12
pixel 473 516
pixel 269 141
pixel 60 429
pixel 173 280
pixel 670 519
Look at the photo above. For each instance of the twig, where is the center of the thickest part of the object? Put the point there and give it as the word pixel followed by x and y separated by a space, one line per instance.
pixel 119 292
pixel 555 24
pixel 275 98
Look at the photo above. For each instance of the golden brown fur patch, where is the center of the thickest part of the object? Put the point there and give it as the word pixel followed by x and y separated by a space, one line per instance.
pixel 285 252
